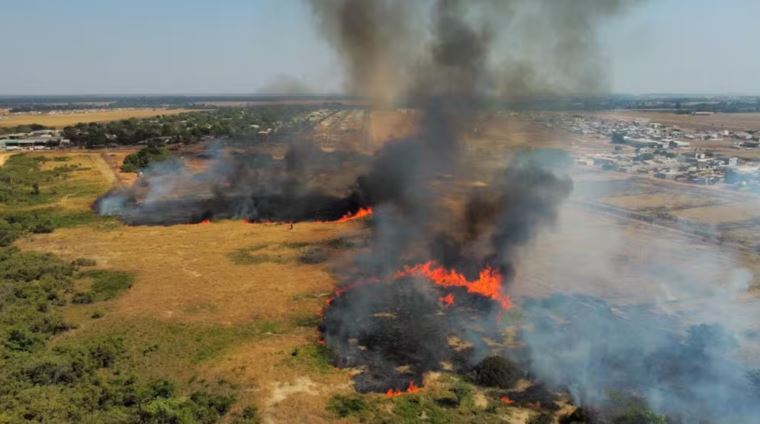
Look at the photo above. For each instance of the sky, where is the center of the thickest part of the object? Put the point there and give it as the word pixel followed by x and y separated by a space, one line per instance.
pixel 242 46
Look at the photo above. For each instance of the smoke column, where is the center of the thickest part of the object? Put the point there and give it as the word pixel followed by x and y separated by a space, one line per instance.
pixel 446 57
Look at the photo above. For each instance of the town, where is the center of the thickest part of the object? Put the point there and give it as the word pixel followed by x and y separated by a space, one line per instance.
pixel 699 156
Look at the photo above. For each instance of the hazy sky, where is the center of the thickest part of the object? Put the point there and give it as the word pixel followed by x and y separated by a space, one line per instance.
pixel 240 46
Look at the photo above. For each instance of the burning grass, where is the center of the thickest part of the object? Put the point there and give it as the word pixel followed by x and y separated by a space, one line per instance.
pixel 403 326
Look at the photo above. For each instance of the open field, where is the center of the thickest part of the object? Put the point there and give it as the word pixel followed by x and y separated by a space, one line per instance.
pixel 737 121
pixel 234 307
pixel 188 280
pixel 62 119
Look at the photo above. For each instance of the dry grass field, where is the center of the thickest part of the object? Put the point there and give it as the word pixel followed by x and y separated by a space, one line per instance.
pixel 114 158
pixel 736 121
pixel 189 280
pixel 232 305
pixel 62 119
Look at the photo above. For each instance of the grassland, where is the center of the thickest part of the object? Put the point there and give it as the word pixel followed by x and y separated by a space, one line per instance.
pixel 736 121
pixel 226 307
pixel 230 307
pixel 63 119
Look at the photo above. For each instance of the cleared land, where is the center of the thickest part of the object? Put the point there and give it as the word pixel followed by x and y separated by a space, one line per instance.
pixel 717 121
pixel 62 119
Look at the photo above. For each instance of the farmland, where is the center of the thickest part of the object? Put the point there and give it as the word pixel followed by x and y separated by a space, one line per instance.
pixel 63 119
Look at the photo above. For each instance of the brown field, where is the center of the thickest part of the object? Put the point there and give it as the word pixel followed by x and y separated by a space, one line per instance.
pixel 729 212
pixel 388 125
pixel 656 200
pixel 185 276
pixel 62 119
pixel 736 121
pixel 230 301
pixel 114 158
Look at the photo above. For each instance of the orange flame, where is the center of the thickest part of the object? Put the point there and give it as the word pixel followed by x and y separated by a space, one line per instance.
pixel 205 221
pixel 361 213
pixel 506 400
pixel 392 393
pixel 447 300
pixel 488 283
pixel 411 388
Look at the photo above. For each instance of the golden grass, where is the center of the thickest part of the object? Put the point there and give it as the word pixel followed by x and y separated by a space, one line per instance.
pixel 667 200
pixel 737 121
pixel 729 212
pixel 62 119
pixel 188 290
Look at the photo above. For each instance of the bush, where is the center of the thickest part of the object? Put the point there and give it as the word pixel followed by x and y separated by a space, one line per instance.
pixel 82 298
pixel 20 339
pixel 83 262
pixel 144 157
pixel 249 415
pixel 344 406
pixel 496 371
pixel 9 232
pixel 108 284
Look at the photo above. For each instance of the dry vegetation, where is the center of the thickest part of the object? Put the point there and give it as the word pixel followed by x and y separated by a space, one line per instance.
pixel 231 304
pixel 737 121
pixel 63 119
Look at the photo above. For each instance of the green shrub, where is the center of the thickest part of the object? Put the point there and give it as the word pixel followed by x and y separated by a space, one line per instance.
pixel 108 284
pixel 83 262
pixel 82 298
pixel 496 371
pixel 136 161
pixel 344 406
pixel 9 232
pixel 21 340
pixel 249 415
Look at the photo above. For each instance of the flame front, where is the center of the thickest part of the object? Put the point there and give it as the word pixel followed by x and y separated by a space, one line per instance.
pixel 411 388
pixel 361 213
pixel 488 283
pixel 506 400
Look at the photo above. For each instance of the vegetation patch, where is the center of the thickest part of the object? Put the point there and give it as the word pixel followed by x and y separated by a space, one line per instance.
pixel 108 284
pixel 141 159
pixel 312 356
pixel 496 371
pixel 348 405
pixel 86 379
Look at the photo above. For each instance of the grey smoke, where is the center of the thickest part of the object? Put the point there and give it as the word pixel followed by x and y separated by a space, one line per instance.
pixel 447 55
pixel 394 49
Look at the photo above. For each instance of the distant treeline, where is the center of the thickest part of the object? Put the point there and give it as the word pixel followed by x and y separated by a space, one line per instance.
pixel 50 103
pixel 674 103
pixel 187 127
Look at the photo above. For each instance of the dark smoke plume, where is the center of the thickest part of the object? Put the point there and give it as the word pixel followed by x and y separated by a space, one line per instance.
pixel 250 186
pixel 394 49
pixel 445 57
pixel 398 322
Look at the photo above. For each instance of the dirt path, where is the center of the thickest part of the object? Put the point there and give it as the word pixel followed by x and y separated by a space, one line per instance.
pixel 104 168
pixel 4 157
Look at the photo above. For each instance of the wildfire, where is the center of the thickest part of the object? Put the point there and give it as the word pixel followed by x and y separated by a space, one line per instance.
pixel 447 300
pixel 205 221
pixel 506 400
pixel 488 283
pixel 361 213
pixel 411 388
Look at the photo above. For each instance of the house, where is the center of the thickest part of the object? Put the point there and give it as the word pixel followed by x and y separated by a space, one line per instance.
pixel 675 144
